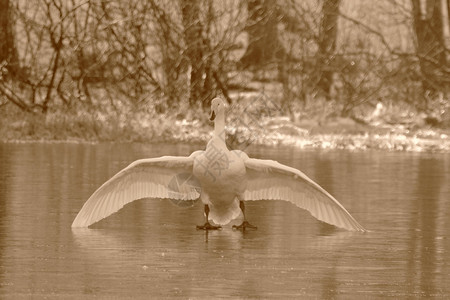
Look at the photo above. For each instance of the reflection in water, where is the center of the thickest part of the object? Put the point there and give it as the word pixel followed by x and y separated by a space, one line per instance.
pixel 151 249
pixel 422 261
pixel 4 169
pixel 324 174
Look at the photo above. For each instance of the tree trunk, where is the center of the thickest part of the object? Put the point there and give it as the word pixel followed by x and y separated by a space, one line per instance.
pixel 327 43
pixel 190 10
pixel 430 43
pixel 263 44
pixel 8 51
pixel 445 9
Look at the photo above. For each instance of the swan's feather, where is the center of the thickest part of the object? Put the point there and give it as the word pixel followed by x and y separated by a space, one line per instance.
pixel 145 178
pixel 270 180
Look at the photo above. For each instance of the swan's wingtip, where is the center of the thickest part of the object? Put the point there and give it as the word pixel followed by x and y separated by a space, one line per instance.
pixel 359 228
pixel 79 224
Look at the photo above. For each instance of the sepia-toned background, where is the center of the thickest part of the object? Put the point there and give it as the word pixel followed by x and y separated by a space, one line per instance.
pixel 355 94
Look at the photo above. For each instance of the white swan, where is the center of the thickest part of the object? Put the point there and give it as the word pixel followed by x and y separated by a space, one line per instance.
pixel 226 179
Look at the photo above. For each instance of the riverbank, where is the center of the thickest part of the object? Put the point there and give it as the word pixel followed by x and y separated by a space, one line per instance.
pixel 331 133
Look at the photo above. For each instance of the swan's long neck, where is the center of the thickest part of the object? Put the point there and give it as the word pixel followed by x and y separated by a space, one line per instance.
pixel 219 125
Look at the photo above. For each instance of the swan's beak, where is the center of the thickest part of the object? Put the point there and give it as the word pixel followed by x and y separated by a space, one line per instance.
pixel 212 116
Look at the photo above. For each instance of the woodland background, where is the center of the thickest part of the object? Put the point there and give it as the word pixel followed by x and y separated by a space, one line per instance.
pixel 130 70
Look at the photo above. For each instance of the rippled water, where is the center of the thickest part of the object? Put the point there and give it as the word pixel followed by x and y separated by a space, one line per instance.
pixel 151 248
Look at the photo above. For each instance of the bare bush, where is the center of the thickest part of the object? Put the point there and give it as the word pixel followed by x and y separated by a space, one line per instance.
pixel 160 55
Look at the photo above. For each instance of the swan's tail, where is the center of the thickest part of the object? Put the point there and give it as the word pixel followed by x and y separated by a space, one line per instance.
pixel 222 215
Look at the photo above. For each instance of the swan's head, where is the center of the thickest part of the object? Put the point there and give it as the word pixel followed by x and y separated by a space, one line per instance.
pixel 217 106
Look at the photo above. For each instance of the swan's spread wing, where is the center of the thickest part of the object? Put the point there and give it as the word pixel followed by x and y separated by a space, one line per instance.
pixel 268 179
pixel 162 177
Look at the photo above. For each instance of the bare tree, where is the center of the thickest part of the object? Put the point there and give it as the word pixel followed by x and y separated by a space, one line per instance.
pixel 195 50
pixel 156 54
pixel 431 49
pixel 327 43
pixel 264 46
pixel 8 51
pixel 167 34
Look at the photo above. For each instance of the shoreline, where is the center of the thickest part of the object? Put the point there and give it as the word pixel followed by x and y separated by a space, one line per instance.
pixel 323 141
pixel 307 133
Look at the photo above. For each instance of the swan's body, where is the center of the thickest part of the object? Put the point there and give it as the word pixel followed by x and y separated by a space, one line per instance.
pixel 226 178
pixel 222 177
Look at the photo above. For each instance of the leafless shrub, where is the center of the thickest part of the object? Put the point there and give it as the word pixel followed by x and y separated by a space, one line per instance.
pixel 161 54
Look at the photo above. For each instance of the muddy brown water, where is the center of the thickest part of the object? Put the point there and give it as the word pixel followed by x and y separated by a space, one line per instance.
pixel 151 249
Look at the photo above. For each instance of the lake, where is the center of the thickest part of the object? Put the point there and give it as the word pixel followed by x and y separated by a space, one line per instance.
pixel 151 248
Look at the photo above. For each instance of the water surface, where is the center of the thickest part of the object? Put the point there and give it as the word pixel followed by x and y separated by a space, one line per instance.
pixel 151 248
